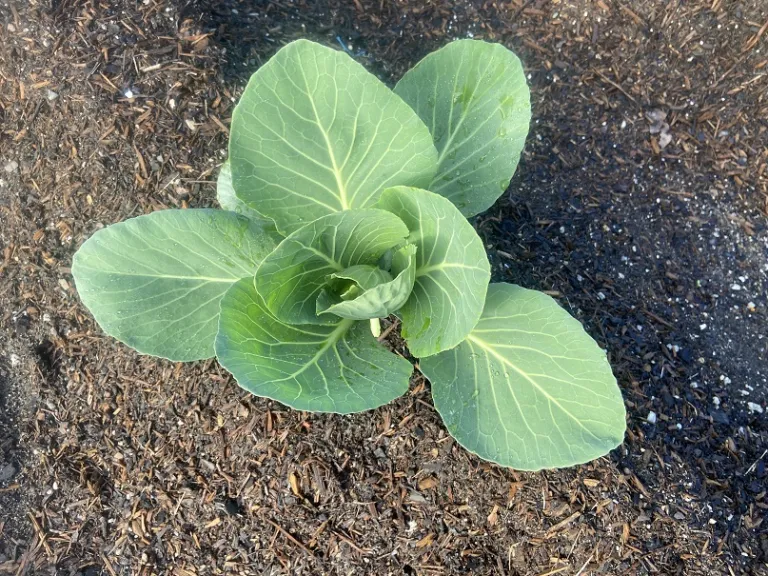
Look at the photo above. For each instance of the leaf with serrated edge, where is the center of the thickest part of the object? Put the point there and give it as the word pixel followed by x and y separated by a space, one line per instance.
pixel 154 282
pixel 528 388
pixel 293 276
pixel 452 271
pixel 228 200
pixel 473 97
pixel 377 301
pixel 337 368
pixel 315 133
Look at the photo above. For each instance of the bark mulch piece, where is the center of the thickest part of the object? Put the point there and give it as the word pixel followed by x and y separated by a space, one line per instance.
pixel 640 204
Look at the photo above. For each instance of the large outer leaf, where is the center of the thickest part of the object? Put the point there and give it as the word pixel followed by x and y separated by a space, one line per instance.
pixel 528 388
pixel 337 368
pixel 293 276
pixel 377 301
pixel 452 271
pixel 315 133
pixel 228 200
pixel 155 282
pixel 474 98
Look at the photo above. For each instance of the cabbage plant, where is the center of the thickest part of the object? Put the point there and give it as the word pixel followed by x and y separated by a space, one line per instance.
pixel 345 202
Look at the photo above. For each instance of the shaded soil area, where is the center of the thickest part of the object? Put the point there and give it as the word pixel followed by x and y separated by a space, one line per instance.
pixel 640 203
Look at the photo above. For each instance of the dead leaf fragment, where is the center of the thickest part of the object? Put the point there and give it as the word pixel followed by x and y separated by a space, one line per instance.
pixel 427 483
pixel 625 533
pixel 493 517
pixel 513 488
pixel 426 541
pixel 293 480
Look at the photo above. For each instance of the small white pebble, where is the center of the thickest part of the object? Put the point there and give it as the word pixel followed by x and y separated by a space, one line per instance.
pixel 702 326
pixel 754 408
pixel 651 417
pixel 716 401
pixel 736 287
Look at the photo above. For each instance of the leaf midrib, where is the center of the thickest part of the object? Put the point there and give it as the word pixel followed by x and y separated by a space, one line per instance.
pixel 465 113
pixel 335 168
pixel 423 271
pixel 332 339
pixel 229 280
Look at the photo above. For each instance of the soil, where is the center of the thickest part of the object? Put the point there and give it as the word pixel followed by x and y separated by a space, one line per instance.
pixel 640 203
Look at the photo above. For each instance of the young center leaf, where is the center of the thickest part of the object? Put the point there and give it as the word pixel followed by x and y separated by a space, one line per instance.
pixel 474 98
pixel 315 133
pixel 154 282
pixel 378 295
pixel 293 276
pixel 452 271
pixel 228 200
pixel 334 368
pixel 528 388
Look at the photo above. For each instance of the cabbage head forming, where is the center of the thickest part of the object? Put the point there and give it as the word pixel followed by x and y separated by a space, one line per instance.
pixel 344 202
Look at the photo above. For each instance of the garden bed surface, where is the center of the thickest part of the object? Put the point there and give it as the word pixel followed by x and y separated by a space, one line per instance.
pixel 640 204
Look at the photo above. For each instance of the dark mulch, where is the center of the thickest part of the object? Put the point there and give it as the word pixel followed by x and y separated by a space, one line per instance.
pixel 640 203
